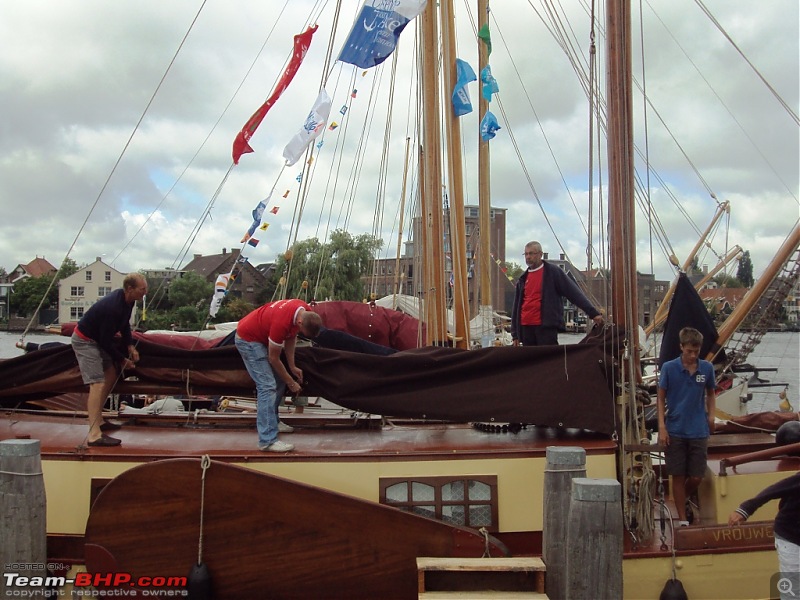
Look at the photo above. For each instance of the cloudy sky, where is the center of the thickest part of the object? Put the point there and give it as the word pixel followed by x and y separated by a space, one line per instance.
pixel 100 158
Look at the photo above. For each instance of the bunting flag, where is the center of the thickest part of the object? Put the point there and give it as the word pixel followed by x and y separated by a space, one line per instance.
pixel 461 102
pixel 258 211
pixel 333 125
pixel 315 123
pixel 302 42
pixel 489 86
pixel 220 289
pixel 488 126
pixel 486 38
pixel 376 31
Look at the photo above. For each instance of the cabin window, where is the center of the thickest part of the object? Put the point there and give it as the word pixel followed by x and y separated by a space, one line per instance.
pixel 88 275
pixel 470 502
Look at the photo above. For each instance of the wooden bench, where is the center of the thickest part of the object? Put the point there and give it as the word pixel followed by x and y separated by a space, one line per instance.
pixel 496 578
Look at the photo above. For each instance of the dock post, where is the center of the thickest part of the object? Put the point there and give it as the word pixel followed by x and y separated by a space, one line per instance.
pixel 23 527
pixel 564 463
pixel 594 540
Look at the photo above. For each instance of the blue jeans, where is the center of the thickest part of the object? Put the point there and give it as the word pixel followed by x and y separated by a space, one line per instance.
pixel 268 389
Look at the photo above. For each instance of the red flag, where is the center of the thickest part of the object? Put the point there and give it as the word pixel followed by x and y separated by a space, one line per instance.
pixel 301 43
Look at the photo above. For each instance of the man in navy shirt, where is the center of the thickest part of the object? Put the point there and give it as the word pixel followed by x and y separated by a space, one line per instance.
pixel 99 354
pixel 686 404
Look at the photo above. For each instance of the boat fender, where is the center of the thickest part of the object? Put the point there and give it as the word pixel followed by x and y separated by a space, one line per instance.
pixel 198 584
pixel 788 433
pixel 673 590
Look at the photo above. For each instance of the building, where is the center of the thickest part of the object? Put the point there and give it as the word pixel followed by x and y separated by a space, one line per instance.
pixel 246 286
pixel 650 293
pixel 83 288
pixel 402 275
pixel 36 268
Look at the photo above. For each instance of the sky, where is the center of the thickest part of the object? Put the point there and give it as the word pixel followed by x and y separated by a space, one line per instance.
pixel 118 120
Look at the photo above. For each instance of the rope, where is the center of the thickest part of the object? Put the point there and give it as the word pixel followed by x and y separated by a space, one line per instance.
pixel 205 464
pixel 23 474
pixel 485 534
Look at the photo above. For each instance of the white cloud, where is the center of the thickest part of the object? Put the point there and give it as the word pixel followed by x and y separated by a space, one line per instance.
pixel 76 75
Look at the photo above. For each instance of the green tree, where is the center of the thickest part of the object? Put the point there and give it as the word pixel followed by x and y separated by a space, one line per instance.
pixel 28 293
pixel 68 267
pixel 233 309
pixel 329 271
pixel 728 281
pixel 513 269
pixel 745 271
pixel 191 290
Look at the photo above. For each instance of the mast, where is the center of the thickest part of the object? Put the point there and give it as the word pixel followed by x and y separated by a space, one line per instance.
pixel 661 313
pixel 484 195
pixel 619 92
pixel 458 237
pixel 789 247
pixel 433 254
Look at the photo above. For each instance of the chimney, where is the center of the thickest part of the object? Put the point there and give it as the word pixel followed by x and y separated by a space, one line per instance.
pixel 99 258
pixel 224 251
pixel 705 269
pixel 544 256
pixel 562 257
pixel 196 256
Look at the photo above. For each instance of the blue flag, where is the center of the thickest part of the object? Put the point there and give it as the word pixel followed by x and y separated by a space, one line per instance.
pixel 489 83
pixel 461 102
pixel 377 29
pixel 488 126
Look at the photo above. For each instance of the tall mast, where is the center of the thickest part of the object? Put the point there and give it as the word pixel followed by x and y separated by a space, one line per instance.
pixel 624 296
pixel 433 254
pixel 458 237
pixel 484 195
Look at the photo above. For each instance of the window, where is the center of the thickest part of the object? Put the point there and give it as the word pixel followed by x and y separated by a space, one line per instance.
pixel 471 502
pixel 103 291
pixel 108 275
pixel 75 313
pixel 76 290
pixel 88 275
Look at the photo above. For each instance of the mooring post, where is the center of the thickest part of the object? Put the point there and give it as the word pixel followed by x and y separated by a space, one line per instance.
pixel 564 463
pixel 594 540
pixel 23 517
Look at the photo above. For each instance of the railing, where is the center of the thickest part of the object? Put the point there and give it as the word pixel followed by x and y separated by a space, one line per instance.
pixel 769 453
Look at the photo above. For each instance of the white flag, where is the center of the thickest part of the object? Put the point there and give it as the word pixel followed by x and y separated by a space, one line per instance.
pixel 314 125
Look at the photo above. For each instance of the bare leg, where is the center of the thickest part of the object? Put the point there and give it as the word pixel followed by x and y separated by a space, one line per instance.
pixel 692 485
pixel 679 495
pixel 98 392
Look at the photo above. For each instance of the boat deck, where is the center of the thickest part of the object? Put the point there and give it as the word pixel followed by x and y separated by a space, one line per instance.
pixel 331 436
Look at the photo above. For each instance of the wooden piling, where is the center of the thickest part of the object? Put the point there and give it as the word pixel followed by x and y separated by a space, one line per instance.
pixel 23 530
pixel 594 540
pixel 564 463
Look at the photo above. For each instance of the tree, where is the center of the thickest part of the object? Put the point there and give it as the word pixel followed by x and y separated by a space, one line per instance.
pixel 190 290
pixel 513 270
pixel 68 267
pixel 329 271
pixel 233 309
pixel 28 293
pixel 728 281
pixel 745 271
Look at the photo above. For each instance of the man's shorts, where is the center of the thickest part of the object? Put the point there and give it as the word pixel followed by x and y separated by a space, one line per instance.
pixel 92 360
pixel 686 456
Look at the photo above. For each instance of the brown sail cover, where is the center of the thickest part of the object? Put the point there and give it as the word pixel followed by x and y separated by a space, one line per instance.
pixel 550 385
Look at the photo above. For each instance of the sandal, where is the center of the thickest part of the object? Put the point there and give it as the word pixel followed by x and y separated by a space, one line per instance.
pixel 106 440
pixel 109 426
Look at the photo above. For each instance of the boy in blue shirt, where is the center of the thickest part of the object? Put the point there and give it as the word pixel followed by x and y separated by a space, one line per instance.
pixel 686 403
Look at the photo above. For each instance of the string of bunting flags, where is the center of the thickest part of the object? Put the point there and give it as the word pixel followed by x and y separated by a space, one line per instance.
pixel 369 43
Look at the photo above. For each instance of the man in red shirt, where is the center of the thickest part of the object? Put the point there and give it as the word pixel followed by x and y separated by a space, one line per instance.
pixel 261 337
pixel 538 312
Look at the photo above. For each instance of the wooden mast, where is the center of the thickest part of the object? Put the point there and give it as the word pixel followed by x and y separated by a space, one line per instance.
pixel 661 313
pixel 624 296
pixel 433 254
pixel 728 328
pixel 484 195
pixel 458 246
